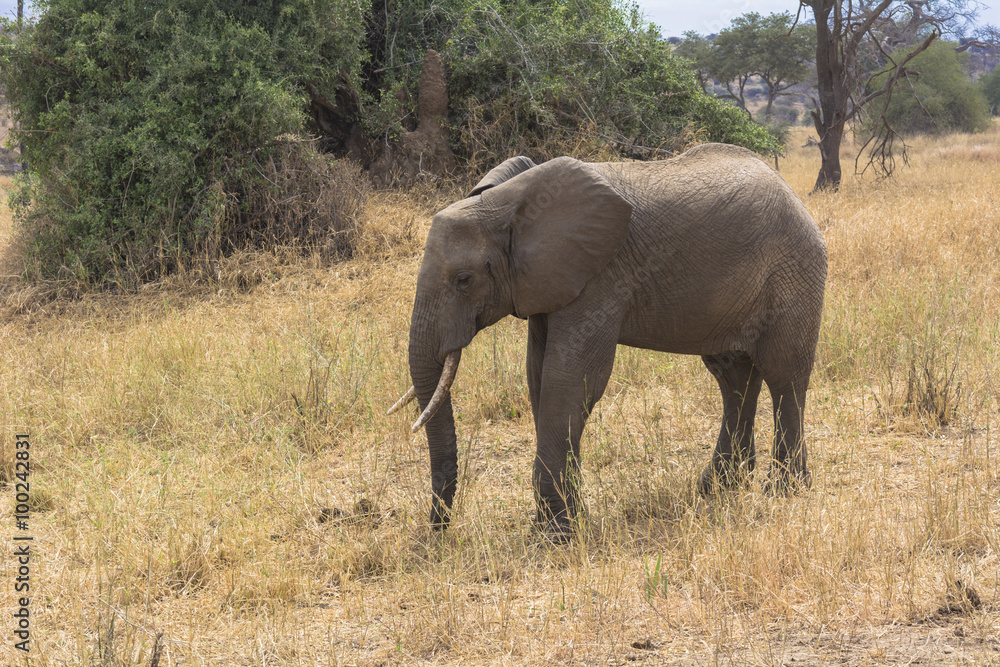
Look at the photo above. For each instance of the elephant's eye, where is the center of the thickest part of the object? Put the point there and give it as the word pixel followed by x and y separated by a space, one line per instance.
pixel 463 280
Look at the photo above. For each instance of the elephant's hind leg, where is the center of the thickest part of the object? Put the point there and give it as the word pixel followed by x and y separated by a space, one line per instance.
pixel 785 354
pixel 734 456
pixel 790 469
pixel 786 360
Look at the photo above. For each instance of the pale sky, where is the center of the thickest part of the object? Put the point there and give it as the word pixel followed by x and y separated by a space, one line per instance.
pixel 708 16
pixel 8 8
pixel 676 16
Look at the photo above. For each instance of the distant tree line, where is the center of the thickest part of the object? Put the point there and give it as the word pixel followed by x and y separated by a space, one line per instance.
pixel 771 49
pixel 881 67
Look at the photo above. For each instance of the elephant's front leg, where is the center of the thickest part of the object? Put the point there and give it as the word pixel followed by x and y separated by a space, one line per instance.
pixel 537 334
pixel 574 373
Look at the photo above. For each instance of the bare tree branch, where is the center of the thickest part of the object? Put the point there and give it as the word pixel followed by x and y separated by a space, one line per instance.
pixel 898 71
pixel 862 30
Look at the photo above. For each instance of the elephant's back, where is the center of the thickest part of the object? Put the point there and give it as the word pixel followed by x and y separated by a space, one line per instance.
pixel 712 191
pixel 716 236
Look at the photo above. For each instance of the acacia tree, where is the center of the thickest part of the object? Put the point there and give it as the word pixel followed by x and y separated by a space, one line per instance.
pixel 734 57
pixel 863 48
pixel 783 53
pixel 699 51
pixel 770 48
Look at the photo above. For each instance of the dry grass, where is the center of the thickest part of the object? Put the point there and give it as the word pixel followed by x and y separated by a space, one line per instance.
pixel 213 463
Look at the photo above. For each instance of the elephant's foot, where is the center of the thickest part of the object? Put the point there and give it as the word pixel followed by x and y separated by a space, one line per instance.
pixel 555 532
pixel 442 495
pixel 785 482
pixel 556 521
pixel 440 515
pixel 715 479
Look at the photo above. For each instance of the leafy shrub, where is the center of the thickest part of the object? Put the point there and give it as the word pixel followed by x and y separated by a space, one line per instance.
pixel 989 84
pixel 940 99
pixel 163 133
pixel 147 125
pixel 533 76
pixel 778 129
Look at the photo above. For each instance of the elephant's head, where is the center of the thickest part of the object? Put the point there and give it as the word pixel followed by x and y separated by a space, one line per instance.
pixel 526 240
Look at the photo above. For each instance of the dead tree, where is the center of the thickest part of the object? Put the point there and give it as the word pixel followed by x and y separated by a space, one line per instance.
pixel 862 50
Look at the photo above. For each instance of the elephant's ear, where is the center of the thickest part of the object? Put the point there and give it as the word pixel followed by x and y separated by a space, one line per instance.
pixel 567 223
pixel 501 173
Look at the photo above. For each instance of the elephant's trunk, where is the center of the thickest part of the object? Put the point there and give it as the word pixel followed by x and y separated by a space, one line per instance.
pixel 443 390
pixel 431 383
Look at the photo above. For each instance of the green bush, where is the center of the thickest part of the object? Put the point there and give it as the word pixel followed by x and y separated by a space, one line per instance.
pixel 941 98
pixel 536 76
pixel 989 84
pixel 144 121
pixel 163 133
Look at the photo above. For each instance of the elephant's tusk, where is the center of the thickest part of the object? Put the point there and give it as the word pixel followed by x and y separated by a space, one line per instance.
pixel 410 394
pixel 444 386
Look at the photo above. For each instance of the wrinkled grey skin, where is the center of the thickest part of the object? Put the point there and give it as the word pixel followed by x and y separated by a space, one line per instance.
pixel 708 253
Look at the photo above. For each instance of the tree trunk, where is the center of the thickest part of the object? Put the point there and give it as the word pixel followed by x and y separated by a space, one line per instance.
pixel 829 149
pixel 832 89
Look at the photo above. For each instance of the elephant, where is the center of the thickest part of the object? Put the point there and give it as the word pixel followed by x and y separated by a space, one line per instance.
pixel 708 253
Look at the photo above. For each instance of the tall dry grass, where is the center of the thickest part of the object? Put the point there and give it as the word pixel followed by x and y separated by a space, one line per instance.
pixel 213 463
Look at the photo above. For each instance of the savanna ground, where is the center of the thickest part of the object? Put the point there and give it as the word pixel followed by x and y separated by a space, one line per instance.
pixel 212 461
